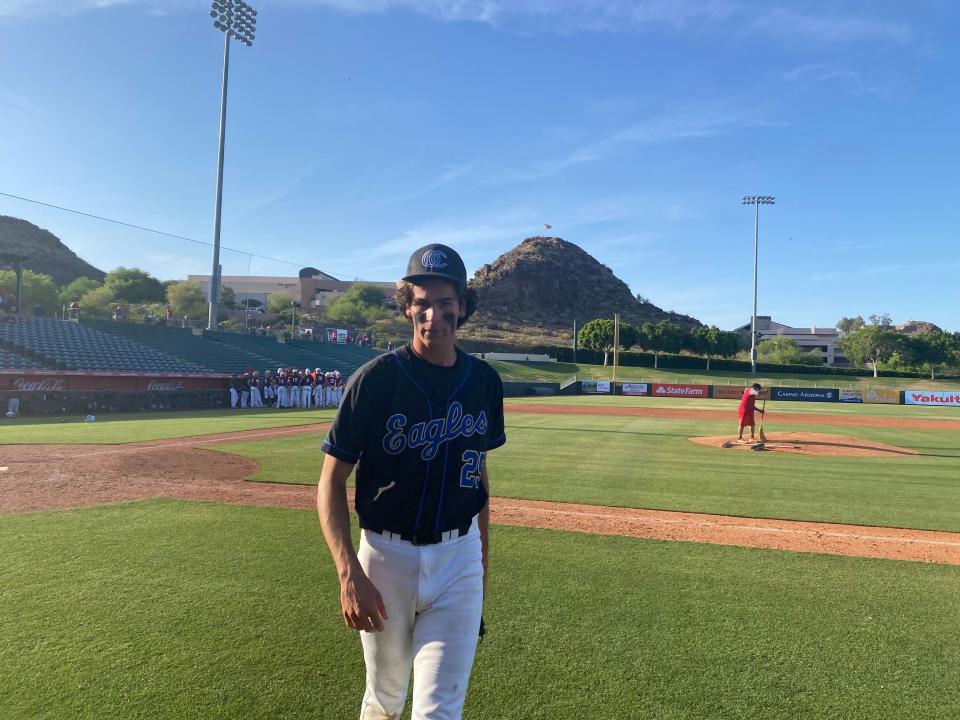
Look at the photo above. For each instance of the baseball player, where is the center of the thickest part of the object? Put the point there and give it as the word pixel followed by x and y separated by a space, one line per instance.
pixel 234 391
pixel 281 388
pixel 746 409
pixel 306 388
pixel 245 390
pixel 256 399
pixel 417 423
pixel 317 387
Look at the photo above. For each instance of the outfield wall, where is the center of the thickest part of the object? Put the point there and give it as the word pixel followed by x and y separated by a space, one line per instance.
pixel 874 396
pixel 65 392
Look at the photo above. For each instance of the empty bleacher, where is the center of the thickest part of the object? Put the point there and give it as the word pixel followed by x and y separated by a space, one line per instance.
pixel 71 346
pixel 233 352
pixel 10 360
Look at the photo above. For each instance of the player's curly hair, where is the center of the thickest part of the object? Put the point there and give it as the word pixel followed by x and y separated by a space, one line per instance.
pixel 466 295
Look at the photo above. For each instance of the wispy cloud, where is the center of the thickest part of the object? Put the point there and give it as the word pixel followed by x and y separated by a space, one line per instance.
pixel 690 125
pixel 827 28
pixel 449 175
pixel 850 80
pixel 860 273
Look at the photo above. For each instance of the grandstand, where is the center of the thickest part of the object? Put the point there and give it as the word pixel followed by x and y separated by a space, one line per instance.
pixel 71 346
pixel 16 361
pixel 96 345
pixel 233 352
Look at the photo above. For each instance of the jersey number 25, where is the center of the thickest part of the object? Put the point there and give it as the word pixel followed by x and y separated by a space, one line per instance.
pixel 472 467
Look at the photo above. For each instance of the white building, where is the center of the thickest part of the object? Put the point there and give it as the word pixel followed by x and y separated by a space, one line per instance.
pixel 313 288
pixel 808 338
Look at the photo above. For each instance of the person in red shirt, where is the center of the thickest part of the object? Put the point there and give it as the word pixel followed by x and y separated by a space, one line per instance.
pixel 746 409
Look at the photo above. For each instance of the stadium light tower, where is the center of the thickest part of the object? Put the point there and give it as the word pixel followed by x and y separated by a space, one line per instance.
pixel 757 201
pixel 235 19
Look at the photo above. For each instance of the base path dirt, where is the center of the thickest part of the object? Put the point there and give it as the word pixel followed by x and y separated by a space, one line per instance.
pixel 788 418
pixel 43 477
pixel 801 443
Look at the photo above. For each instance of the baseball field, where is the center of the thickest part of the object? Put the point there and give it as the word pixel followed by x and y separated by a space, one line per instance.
pixel 172 566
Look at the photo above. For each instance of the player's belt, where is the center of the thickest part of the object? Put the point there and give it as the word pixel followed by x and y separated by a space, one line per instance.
pixel 425 538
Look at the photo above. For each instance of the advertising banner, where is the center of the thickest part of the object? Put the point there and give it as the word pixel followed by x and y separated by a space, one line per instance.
pixel 48 382
pixel 595 387
pixel 678 390
pixel 632 388
pixel 734 392
pixel 851 396
pixel 950 398
pixel 337 335
pixel 805 394
pixel 883 396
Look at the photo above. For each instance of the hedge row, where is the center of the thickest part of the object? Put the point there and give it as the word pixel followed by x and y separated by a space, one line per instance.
pixel 677 362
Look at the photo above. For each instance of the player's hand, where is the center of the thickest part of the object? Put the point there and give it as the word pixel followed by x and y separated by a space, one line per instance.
pixel 362 603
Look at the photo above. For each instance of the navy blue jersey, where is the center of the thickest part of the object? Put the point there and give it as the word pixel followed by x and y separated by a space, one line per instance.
pixel 419 434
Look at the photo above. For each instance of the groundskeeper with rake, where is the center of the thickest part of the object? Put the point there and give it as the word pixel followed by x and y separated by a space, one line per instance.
pixel 746 410
pixel 417 423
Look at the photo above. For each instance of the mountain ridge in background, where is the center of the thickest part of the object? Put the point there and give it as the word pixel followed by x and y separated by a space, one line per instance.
pixel 43 252
pixel 549 282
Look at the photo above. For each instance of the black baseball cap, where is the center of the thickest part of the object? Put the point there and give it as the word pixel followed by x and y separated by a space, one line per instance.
pixel 436 261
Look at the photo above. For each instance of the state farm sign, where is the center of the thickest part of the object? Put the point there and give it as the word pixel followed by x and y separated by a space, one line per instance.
pixel 932 397
pixel 676 390
pixel 23 384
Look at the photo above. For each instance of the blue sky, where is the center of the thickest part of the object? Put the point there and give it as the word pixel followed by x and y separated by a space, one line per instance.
pixel 359 130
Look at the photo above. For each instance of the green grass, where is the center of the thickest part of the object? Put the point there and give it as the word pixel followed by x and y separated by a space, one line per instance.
pixel 776 408
pixel 560 372
pixel 168 609
pixel 154 426
pixel 650 463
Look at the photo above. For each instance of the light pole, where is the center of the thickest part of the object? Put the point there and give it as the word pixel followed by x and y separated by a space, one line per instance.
pixel 757 201
pixel 235 19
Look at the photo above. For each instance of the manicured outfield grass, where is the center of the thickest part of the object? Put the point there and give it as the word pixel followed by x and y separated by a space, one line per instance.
pixel 776 408
pixel 155 426
pixel 650 463
pixel 560 372
pixel 168 609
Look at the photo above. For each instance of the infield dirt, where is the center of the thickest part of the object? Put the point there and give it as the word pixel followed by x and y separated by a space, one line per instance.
pixel 44 477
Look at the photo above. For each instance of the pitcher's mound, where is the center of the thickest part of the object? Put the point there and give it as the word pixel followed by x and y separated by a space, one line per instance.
pixel 803 443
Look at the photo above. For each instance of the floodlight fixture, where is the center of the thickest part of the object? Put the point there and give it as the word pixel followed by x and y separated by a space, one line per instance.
pixel 235 19
pixel 756 201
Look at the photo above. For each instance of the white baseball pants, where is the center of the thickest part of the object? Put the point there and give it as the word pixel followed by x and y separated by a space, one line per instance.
pixel 233 397
pixel 305 393
pixel 434 596
pixel 255 399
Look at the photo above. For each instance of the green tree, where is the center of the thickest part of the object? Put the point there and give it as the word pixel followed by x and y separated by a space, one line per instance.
pixel 98 303
pixel 280 302
pixel 598 335
pixel 186 299
pixel 77 289
pixel 134 285
pixel 784 351
pixel 40 294
pixel 712 341
pixel 850 324
pixel 871 345
pixel 363 304
pixel 932 352
pixel 228 298
pixel 662 337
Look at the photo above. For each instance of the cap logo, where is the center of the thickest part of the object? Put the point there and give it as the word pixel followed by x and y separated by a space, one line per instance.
pixel 434 260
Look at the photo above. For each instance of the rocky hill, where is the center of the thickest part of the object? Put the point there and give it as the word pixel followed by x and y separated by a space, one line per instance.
pixel 549 282
pixel 42 251
pixel 917 327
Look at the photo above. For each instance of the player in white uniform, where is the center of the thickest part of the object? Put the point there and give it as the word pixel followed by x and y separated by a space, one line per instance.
pixel 415 587
pixel 306 388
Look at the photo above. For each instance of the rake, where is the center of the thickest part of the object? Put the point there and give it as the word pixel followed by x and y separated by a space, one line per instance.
pixel 763 414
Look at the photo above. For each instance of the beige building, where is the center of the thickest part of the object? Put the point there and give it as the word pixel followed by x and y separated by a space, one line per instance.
pixel 313 288
pixel 808 338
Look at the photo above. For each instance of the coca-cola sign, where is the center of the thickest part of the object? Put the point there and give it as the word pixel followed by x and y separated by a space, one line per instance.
pixel 165 386
pixel 41 385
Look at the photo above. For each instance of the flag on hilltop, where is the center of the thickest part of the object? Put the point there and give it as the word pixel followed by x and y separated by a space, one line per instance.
pixel 547 227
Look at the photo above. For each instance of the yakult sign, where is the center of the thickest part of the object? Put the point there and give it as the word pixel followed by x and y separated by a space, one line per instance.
pixel 932 397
